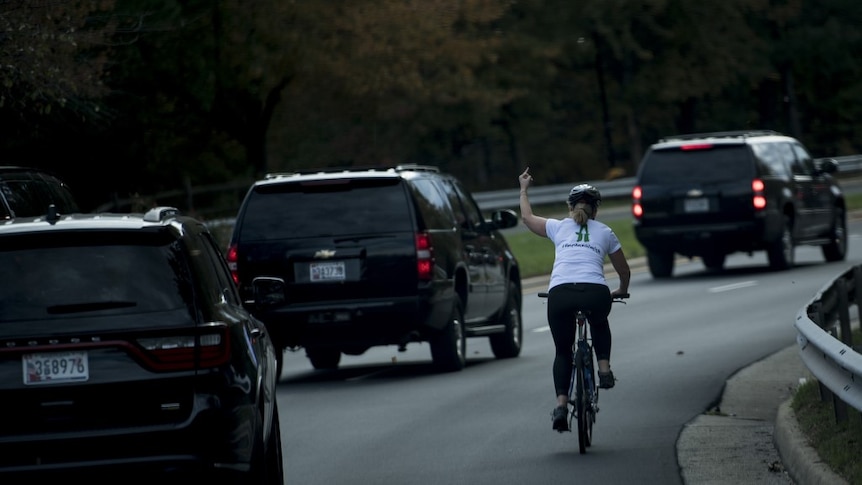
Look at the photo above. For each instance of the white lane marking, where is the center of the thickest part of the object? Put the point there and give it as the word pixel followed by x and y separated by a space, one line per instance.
pixel 735 286
pixel 542 329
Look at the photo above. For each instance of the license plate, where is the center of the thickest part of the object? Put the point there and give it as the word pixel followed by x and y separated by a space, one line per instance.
pixel 329 271
pixel 55 367
pixel 329 317
pixel 696 205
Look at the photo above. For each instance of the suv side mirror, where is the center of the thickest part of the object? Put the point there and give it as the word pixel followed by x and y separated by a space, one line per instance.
pixel 504 218
pixel 826 165
pixel 268 292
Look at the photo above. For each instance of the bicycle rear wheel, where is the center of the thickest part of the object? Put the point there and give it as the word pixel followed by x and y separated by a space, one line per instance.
pixel 582 404
pixel 592 395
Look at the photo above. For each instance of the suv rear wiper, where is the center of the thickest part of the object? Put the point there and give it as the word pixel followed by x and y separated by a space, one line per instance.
pixel 362 238
pixel 89 306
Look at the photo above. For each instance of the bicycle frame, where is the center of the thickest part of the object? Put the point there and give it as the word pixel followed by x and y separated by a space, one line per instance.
pixel 583 390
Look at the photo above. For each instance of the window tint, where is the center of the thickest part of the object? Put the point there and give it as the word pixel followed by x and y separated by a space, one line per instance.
pixel 334 208
pixel 467 212
pixel 774 157
pixel 28 197
pixel 434 207
pixel 54 282
pixel 217 264
pixel 719 164
pixel 804 163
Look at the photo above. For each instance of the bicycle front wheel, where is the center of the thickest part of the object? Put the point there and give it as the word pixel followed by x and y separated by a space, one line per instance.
pixel 582 404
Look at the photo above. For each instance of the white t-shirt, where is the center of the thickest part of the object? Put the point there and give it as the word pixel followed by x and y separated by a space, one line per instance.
pixel 580 251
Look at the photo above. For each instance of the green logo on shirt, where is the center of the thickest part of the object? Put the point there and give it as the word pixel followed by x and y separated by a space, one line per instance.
pixel 584 234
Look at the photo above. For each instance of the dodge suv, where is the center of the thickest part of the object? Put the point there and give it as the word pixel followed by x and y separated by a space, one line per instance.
pixel 125 351
pixel 708 195
pixel 340 260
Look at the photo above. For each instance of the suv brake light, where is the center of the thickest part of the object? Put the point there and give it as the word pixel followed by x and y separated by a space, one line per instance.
pixel 231 258
pixel 758 200
pixel 637 208
pixel 696 146
pixel 186 351
pixel 424 256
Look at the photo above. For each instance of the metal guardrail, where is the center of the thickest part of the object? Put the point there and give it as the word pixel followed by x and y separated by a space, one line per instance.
pixel 621 188
pixel 825 340
pixel 611 189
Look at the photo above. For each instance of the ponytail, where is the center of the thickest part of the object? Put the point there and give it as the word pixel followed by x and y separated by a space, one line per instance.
pixel 582 213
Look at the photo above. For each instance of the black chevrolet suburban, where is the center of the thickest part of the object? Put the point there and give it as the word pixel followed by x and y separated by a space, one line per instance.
pixel 336 261
pixel 708 195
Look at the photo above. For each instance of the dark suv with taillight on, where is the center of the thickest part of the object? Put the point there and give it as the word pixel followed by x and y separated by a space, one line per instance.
pixel 708 195
pixel 125 351
pixel 356 258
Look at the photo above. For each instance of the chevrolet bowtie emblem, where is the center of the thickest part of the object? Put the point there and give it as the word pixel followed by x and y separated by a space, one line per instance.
pixel 324 254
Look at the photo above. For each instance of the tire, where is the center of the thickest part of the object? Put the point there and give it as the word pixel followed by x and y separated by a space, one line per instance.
pixel 266 466
pixel 780 251
pixel 581 404
pixel 591 403
pixel 449 345
pixel 714 261
pixel 279 363
pixel 507 345
pixel 323 359
pixel 836 250
pixel 274 474
pixel 660 263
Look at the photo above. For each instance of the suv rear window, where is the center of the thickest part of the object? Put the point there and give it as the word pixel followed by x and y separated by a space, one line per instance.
pixel 337 207
pixel 30 197
pixel 76 278
pixel 721 163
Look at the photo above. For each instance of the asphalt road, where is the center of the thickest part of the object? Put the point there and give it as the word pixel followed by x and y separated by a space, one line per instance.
pixel 386 417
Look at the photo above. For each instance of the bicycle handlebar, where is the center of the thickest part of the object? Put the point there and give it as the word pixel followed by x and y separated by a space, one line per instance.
pixel 619 298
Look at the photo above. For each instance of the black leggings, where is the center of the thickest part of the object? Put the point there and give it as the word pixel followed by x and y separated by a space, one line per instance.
pixel 563 300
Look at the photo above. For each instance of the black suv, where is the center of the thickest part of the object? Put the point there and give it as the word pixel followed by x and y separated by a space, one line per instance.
pixel 713 194
pixel 356 258
pixel 27 192
pixel 125 350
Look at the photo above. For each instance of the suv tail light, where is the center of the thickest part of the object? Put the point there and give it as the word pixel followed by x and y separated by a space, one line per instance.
pixel 637 208
pixel 424 256
pixel 209 348
pixel 231 258
pixel 758 199
pixel 696 146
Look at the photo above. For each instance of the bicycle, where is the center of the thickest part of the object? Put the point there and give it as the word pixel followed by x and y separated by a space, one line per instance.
pixel 583 391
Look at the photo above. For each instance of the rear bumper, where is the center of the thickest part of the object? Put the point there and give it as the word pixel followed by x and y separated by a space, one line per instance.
pixel 695 240
pixel 356 324
pixel 213 438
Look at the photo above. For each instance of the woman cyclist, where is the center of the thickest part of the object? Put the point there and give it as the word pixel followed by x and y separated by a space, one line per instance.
pixel 578 281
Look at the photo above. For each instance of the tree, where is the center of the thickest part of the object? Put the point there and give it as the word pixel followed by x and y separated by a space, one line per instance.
pixel 52 56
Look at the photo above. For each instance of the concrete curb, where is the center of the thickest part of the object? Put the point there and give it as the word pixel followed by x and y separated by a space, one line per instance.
pixel 799 458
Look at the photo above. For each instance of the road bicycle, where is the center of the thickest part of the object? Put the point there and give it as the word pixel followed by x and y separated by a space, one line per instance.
pixel 583 390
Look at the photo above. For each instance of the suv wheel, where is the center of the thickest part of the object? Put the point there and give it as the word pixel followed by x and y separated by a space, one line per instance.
pixel 508 344
pixel 780 251
pixel 323 358
pixel 449 345
pixel 660 263
pixel 836 250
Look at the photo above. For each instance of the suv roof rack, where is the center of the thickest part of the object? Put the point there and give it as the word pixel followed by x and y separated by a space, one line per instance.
pixel 324 170
pixel 417 168
pixel 158 214
pixel 722 134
